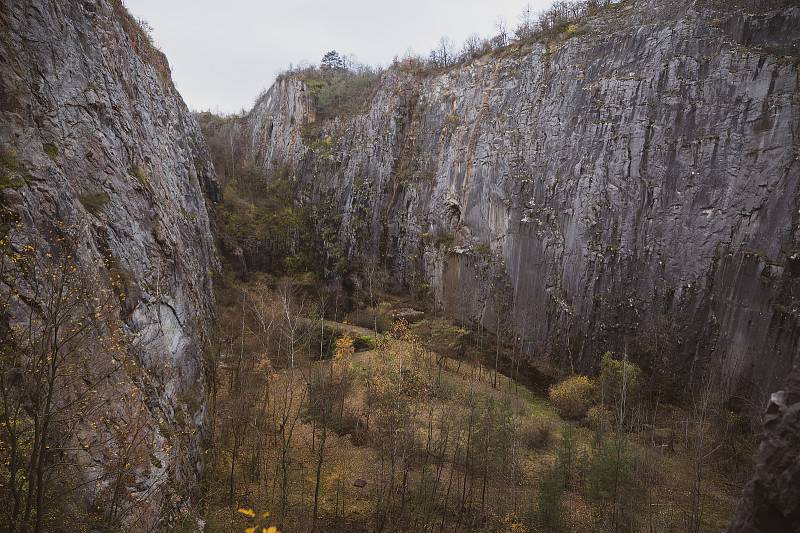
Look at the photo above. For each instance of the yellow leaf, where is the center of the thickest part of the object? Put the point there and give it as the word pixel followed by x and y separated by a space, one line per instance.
pixel 272 529
pixel 249 530
pixel 247 512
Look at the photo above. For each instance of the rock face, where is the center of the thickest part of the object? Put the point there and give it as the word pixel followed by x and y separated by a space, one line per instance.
pixel 633 184
pixel 89 112
pixel 771 501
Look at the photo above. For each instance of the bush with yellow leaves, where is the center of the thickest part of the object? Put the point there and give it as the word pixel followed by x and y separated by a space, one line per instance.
pixel 256 527
pixel 344 350
pixel 572 397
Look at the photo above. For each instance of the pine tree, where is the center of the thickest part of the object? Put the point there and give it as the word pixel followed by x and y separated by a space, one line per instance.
pixel 332 61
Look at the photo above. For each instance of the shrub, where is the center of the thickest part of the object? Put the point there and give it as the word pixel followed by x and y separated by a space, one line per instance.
pixel 94 202
pixel 483 250
pixel 550 509
pixel 139 173
pixel 537 435
pixel 371 318
pixel 359 436
pixel 599 417
pixel 442 390
pixel 9 160
pixel 10 169
pixel 188 216
pixel 443 239
pixel 322 343
pixel 572 397
pixel 50 149
pixel 363 343
pixel 139 35
pixel 442 336
pixel 338 93
pixel 345 424
pixel 618 377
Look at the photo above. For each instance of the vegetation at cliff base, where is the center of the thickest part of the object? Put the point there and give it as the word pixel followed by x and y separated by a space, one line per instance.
pixel 334 414
pixel 542 280
pixel 397 435
pixel 264 223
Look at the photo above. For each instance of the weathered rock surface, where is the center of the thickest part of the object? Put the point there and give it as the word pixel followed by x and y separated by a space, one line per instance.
pixel 88 108
pixel 771 502
pixel 635 184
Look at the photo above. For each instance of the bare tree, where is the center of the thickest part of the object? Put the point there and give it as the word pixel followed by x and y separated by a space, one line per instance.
pixel 500 38
pixel 442 55
pixel 702 444
pixel 471 48
pixel 527 23
pixel 291 321
pixel 65 316
pixel 327 393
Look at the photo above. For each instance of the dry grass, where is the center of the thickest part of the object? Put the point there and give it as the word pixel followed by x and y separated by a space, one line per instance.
pixel 142 43
pixel 666 476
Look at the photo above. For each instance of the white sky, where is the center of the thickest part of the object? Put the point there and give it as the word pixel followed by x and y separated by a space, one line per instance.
pixel 223 53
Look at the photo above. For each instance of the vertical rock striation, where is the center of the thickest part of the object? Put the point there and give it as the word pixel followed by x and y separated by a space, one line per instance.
pixel 636 178
pixel 89 111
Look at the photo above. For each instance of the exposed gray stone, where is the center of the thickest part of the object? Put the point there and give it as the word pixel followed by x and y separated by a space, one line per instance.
pixel 771 501
pixel 89 108
pixel 637 179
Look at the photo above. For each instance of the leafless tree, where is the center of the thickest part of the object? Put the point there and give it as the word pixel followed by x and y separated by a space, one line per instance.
pixel 65 317
pixel 442 55
pixel 527 23
pixel 500 38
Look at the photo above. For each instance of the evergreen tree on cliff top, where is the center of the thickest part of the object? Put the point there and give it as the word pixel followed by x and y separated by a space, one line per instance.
pixel 332 61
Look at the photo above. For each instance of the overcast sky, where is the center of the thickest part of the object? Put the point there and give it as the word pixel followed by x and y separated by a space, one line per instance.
pixel 223 53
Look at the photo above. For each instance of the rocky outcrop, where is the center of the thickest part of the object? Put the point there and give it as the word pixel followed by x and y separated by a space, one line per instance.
pixel 90 118
pixel 631 184
pixel 771 500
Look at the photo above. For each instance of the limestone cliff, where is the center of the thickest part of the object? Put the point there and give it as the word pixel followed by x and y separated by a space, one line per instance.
pixel 771 500
pixel 633 183
pixel 107 147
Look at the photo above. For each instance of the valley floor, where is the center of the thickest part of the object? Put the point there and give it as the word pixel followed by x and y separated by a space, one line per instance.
pixel 399 437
